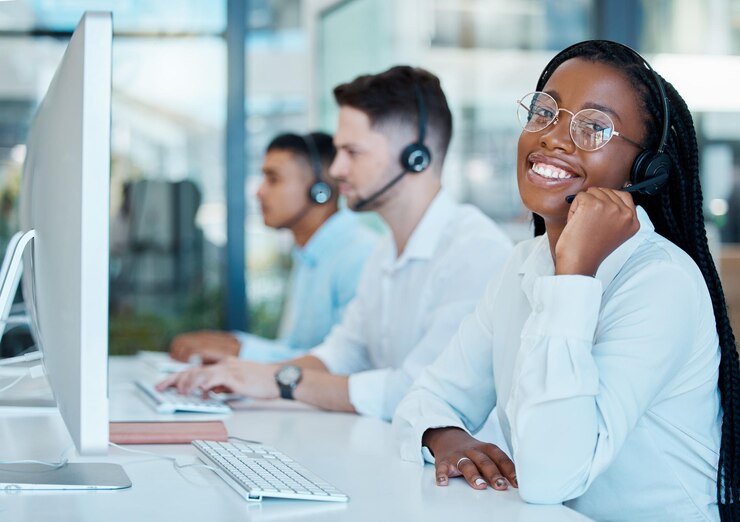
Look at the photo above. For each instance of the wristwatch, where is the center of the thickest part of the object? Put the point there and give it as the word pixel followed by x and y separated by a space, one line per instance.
pixel 287 379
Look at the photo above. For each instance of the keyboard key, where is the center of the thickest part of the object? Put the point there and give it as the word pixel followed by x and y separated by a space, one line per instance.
pixel 169 401
pixel 261 471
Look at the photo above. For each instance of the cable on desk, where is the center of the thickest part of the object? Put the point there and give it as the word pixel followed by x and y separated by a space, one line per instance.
pixel 9 386
pixel 33 371
pixel 176 464
pixel 63 461
pixel 27 356
pixel 244 440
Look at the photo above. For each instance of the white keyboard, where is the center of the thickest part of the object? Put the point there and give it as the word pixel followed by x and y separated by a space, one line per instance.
pixel 169 401
pixel 256 471
pixel 163 363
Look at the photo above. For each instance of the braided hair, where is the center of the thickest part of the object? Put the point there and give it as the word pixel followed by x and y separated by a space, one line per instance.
pixel 677 214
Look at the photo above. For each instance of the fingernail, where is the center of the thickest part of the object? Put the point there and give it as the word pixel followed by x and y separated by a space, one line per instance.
pixel 479 481
pixel 441 480
pixel 500 482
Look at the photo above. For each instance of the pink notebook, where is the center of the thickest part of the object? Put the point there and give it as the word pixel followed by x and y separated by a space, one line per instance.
pixel 166 432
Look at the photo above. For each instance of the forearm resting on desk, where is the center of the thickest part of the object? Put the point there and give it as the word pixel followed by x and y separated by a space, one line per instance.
pixel 308 362
pixel 317 386
pixel 325 390
pixel 320 388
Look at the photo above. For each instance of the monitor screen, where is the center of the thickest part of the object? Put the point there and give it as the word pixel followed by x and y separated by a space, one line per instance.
pixel 65 199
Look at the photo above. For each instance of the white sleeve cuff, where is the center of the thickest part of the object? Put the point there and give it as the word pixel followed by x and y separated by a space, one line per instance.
pixel 367 393
pixel 427 455
pixel 411 433
pixel 241 337
pixel 324 353
pixel 564 306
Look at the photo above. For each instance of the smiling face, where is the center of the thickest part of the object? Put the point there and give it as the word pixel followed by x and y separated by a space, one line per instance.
pixel 550 166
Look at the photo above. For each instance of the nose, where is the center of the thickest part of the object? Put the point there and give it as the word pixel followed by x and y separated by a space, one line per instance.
pixel 261 191
pixel 556 136
pixel 338 166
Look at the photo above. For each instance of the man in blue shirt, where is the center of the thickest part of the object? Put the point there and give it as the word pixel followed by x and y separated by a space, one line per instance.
pixel 331 249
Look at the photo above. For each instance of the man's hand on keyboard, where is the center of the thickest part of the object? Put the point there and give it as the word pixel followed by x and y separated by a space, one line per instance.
pixel 246 378
pixel 210 346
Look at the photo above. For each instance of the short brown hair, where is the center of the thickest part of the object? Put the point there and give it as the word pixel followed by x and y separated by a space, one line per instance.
pixel 390 97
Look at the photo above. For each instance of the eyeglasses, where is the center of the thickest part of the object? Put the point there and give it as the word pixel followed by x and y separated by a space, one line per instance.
pixel 590 129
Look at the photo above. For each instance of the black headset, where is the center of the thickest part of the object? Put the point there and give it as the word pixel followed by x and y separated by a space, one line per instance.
pixel 320 191
pixel 651 168
pixel 415 157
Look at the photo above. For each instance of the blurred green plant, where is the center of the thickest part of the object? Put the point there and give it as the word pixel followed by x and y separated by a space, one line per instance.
pixel 130 332
pixel 264 319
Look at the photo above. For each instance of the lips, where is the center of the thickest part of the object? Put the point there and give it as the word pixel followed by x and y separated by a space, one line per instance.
pixel 548 171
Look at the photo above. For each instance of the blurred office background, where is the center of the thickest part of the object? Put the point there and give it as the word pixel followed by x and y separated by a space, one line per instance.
pixel 201 86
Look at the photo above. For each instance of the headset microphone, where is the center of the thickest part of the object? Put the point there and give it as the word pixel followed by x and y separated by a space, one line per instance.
pixel 365 201
pixel 650 186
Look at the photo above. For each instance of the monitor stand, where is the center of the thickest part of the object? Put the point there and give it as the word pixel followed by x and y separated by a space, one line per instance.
pixel 73 475
pixel 32 476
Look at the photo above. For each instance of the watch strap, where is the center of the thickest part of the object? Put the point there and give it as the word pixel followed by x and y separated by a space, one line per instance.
pixel 286 391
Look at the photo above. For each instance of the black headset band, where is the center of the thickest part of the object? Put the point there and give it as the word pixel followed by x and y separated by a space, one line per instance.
pixel 314 158
pixel 422 113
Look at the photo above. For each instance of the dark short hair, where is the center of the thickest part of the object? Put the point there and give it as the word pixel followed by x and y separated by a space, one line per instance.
pixel 390 97
pixel 299 146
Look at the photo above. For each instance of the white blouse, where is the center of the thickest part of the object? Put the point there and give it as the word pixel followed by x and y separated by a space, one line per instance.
pixel 606 387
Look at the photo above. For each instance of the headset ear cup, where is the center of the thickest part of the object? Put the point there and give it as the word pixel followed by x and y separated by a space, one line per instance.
pixel 649 165
pixel 320 192
pixel 415 157
pixel 637 174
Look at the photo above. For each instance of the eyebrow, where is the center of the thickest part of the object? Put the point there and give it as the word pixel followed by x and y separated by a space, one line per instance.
pixel 589 105
pixel 349 146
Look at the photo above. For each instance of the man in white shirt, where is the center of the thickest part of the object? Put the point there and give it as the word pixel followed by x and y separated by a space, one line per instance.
pixel 392 136
pixel 331 248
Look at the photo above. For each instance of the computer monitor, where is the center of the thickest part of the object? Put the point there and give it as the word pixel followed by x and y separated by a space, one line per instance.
pixel 64 198
pixel 64 216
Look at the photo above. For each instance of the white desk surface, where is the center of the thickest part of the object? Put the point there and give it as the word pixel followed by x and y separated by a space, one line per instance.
pixel 356 454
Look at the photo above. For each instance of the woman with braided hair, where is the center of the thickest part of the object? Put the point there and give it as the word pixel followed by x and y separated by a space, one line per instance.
pixel 604 344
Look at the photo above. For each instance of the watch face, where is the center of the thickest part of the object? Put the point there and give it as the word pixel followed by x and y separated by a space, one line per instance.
pixel 288 375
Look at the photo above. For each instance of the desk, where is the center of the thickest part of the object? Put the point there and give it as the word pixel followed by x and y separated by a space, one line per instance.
pixel 357 454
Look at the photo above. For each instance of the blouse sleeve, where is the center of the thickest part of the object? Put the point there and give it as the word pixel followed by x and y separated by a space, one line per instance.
pixel 456 390
pixel 587 370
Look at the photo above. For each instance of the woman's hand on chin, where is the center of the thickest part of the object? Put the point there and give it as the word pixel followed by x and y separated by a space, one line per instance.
pixel 599 221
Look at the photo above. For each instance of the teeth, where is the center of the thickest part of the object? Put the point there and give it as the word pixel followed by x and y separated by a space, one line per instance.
pixel 548 171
